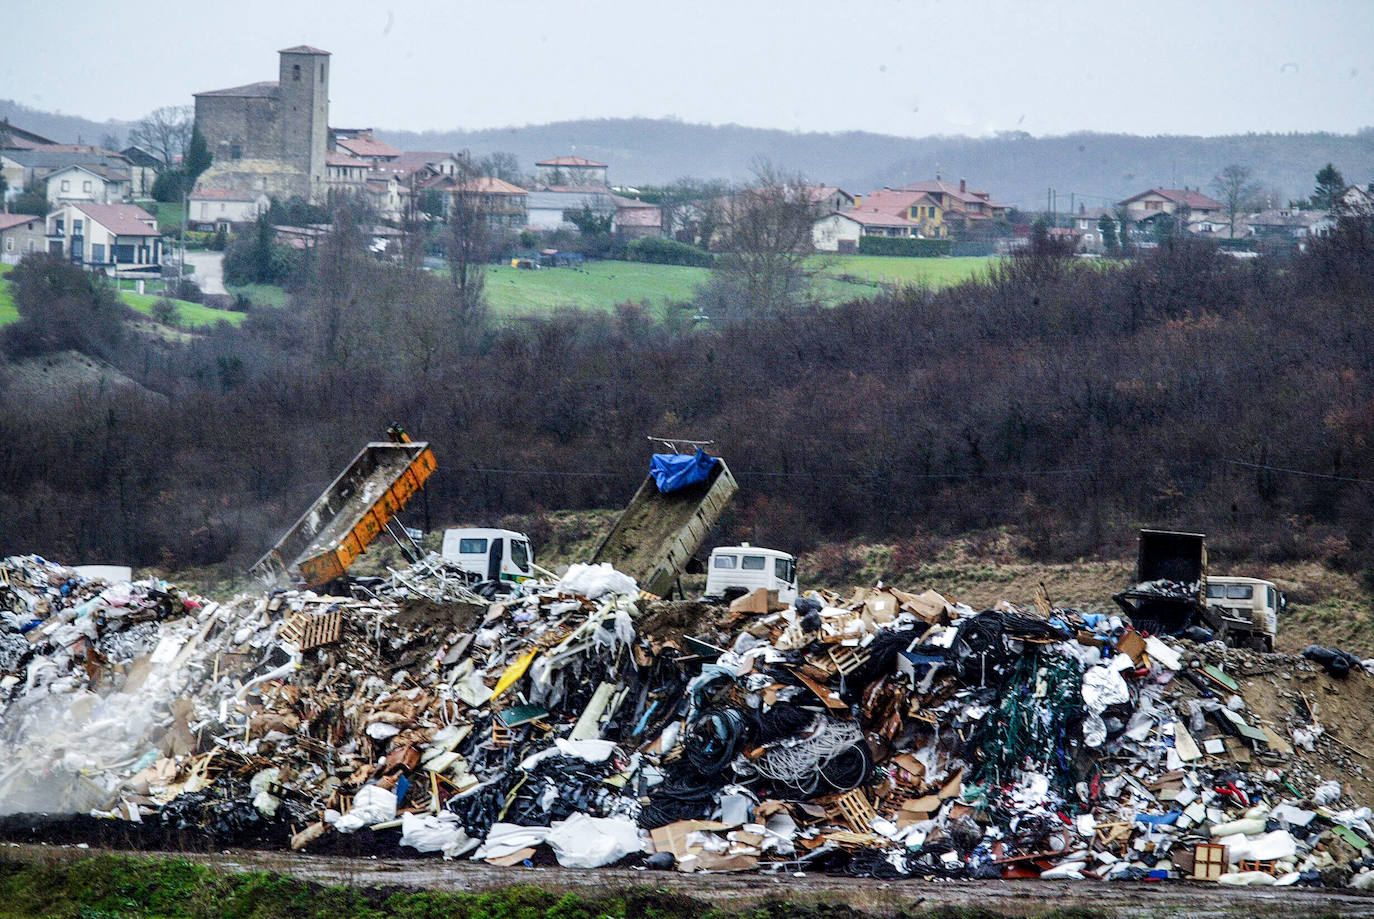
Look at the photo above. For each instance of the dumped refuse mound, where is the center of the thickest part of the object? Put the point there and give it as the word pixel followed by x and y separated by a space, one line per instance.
pixel 885 734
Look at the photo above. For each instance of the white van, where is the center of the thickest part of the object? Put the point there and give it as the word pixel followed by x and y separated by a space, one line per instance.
pixel 492 555
pixel 750 568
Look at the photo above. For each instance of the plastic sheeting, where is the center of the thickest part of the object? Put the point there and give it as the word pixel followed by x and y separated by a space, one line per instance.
pixel 595 581
pixel 672 471
pixel 592 842
pixel 372 804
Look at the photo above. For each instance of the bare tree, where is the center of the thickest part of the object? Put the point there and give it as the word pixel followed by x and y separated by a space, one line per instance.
pixel 502 165
pixel 164 132
pixel 468 244
pixel 766 241
pixel 1238 193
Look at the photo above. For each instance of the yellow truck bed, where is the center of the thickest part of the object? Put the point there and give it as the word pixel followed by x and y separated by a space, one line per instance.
pixel 349 514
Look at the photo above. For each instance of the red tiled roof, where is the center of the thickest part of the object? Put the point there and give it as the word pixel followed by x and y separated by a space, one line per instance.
pixel 120 219
pixel 1181 196
pixel 490 185
pixel 367 146
pixel 896 200
pixel 872 218
pixel 10 221
pixel 570 161
pixel 1194 199
pixel 343 159
pixel 302 49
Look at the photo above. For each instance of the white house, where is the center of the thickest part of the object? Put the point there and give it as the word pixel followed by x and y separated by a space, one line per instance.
pixel 840 232
pixel 121 239
pixel 544 208
pixel 93 182
pixel 211 208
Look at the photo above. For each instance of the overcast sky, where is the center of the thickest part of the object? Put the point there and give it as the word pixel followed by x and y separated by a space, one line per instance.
pixel 907 67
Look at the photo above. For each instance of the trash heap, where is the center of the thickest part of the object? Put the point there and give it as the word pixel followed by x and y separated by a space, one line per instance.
pixel 884 734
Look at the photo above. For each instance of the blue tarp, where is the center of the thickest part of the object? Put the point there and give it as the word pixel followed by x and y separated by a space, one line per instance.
pixel 678 470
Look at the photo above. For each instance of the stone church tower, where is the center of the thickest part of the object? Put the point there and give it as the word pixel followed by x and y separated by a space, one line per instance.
pixel 272 136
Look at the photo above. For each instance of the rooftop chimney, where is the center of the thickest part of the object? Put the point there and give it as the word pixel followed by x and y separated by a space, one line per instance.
pixel 963 186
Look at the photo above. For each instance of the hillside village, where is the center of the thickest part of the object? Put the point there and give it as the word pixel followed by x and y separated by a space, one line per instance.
pixel 271 141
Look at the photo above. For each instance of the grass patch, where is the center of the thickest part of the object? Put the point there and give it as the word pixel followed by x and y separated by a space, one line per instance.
pixel 189 315
pixel 168 214
pixel 601 285
pixel 9 312
pixel 262 294
pixel 512 292
pixel 879 270
pixel 110 886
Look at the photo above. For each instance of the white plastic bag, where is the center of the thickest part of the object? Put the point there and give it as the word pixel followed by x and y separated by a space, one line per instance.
pixel 593 581
pixel 592 842
pixel 372 804
pixel 431 833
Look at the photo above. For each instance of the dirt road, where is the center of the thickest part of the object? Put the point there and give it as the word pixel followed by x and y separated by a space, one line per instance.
pixel 1007 898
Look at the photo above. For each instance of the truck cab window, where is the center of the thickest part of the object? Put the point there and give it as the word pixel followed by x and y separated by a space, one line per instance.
pixel 724 561
pixel 753 563
pixel 782 570
pixel 520 554
pixel 1216 591
pixel 471 546
pixel 1240 592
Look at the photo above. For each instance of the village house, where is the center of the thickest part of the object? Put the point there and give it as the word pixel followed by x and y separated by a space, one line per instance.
pixel 212 208
pixel 143 170
pixel 388 197
pixel 502 202
pixel 1145 210
pixel 827 199
pixel 840 232
pixel 571 171
pixel 119 239
pixel 99 184
pixel 29 167
pixel 359 142
pixel 1087 224
pixel 21 234
pixel 345 174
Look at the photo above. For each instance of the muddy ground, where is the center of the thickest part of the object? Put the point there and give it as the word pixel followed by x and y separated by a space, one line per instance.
pixel 1008 898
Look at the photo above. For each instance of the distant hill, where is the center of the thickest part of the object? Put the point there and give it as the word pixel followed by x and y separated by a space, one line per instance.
pixel 1016 168
pixel 65 129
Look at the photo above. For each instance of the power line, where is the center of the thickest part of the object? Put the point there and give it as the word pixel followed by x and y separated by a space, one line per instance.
pixel 1302 472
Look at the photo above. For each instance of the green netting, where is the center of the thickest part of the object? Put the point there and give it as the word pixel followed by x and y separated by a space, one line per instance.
pixel 1029 725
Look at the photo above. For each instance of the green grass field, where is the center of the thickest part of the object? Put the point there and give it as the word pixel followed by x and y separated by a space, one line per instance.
pixel 880 269
pixel 262 294
pixel 189 315
pixel 600 285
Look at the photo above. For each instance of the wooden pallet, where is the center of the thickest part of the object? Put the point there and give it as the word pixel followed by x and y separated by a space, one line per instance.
pixel 313 630
pixel 854 808
pixel 847 661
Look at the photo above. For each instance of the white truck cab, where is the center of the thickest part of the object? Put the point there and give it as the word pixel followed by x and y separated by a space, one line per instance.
pixel 750 567
pixel 1247 599
pixel 492 555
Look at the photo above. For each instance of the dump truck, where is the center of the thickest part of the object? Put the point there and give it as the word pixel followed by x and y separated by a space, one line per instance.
pixel 350 513
pixel 1172 594
pixel 658 533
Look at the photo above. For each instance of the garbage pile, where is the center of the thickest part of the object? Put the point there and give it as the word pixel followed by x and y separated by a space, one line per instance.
pixel 884 734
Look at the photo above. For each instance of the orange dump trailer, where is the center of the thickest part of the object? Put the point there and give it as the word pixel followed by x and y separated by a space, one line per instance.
pixel 350 513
